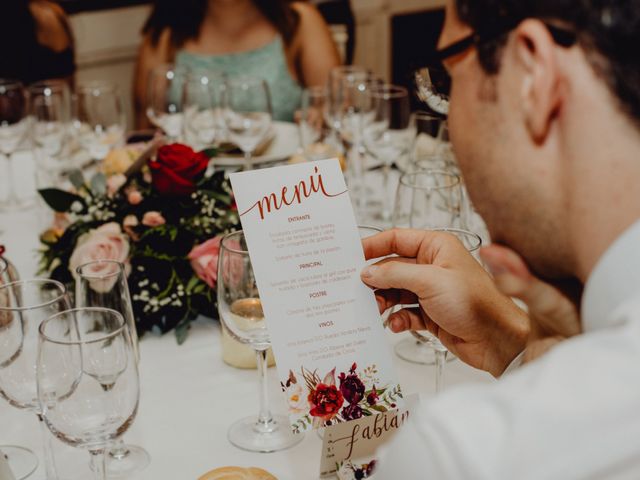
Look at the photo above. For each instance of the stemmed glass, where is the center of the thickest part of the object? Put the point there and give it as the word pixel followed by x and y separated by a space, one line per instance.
pixel 202 104
pixel 164 98
pixel 472 243
pixel 314 125
pixel 14 125
pixel 103 283
pixel 87 377
pixel 424 200
pixel 99 119
pixel 428 151
pixel 247 113
pixel 241 313
pixel 50 105
pixel 390 134
pixel 24 305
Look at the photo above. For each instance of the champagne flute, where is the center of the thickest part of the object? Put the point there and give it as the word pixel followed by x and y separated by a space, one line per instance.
pixel 87 377
pixel 472 242
pixel 202 101
pixel 241 314
pixel 24 305
pixel 425 199
pixel 99 118
pixel 103 283
pixel 164 98
pixel 50 103
pixel 247 114
pixel 14 125
pixel 390 135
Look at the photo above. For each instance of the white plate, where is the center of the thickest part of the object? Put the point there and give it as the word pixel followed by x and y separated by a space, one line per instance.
pixel 283 146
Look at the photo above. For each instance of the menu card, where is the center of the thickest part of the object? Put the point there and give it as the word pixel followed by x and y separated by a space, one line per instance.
pixel 333 360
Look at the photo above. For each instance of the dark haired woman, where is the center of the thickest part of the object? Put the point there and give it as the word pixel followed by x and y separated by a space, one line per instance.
pixel 287 44
pixel 35 41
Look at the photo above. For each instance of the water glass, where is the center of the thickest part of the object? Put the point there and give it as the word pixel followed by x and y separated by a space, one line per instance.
pixel 203 124
pixel 165 92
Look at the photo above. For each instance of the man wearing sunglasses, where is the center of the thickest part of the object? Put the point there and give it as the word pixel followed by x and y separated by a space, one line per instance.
pixel 545 122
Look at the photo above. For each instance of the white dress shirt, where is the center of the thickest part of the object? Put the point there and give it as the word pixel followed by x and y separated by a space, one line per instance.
pixel 572 414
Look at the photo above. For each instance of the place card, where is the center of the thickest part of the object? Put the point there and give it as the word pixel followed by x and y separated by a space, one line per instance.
pixel 328 339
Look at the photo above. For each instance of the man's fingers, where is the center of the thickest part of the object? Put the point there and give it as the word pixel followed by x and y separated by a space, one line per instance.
pixel 394 273
pixel 410 318
pixel 390 298
pixel 399 241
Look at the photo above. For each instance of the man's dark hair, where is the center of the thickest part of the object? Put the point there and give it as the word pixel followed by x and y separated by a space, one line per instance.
pixel 607 30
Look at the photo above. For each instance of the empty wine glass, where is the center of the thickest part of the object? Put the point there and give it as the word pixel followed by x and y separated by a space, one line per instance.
pixel 433 87
pixel 202 104
pixel 425 199
pixel 103 283
pixel 50 105
pixel 164 98
pixel 389 136
pixel 14 125
pixel 247 114
pixel 427 149
pixel 24 305
pixel 314 127
pixel 87 377
pixel 99 118
pixel 472 243
pixel 241 314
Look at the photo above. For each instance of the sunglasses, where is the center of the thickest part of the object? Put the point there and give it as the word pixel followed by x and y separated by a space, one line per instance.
pixel 563 37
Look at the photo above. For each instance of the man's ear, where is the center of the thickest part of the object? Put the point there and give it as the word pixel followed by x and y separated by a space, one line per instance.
pixel 534 52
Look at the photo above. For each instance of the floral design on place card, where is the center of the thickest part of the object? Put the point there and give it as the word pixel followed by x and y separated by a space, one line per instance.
pixel 320 402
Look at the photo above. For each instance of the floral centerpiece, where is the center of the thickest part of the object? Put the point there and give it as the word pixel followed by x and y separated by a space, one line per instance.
pixel 163 219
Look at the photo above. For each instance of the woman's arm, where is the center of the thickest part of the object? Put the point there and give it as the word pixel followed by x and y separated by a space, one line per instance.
pixel 149 57
pixel 317 53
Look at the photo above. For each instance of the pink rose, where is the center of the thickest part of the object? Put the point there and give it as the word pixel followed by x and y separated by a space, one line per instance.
pixel 114 183
pixel 134 197
pixel 104 243
pixel 153 219
pixel 204 260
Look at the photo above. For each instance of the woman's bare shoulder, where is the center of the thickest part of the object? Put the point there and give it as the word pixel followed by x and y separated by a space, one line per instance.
pixel 52 25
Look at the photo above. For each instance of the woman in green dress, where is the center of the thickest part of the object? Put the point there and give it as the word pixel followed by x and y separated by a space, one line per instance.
pixel 286 43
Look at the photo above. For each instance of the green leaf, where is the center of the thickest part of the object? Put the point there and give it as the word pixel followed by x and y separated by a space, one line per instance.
pixel 210 152
pixel 99 184
pixel 379 408
pixel 192 283
pixel 182 331
pixel 59 200
pixel 76 178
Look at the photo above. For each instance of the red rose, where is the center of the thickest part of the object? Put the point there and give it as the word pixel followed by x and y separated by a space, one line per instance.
pixel 325 401
pixel 176 169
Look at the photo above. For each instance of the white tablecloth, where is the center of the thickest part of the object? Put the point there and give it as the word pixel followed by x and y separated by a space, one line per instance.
pixel 189 397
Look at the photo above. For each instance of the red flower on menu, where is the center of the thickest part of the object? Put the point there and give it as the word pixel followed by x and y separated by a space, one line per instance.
pixel 177 169
pixel 325 401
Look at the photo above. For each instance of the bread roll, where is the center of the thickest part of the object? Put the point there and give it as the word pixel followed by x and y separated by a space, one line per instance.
pixel 237 473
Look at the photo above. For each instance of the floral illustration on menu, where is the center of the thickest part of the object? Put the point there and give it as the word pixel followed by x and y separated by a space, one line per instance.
pixel 318 402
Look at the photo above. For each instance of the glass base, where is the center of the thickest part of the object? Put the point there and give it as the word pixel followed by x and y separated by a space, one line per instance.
pixel 414 351
pixel 248 434
pixel 22 461
pixel 124 460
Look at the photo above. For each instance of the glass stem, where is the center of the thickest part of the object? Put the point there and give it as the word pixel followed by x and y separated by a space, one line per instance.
pixel 12 198
pixel 264 415
pixel 441 360
pixel 99 464
pixel 49 462
pixel 386 208
pixel 247 161
pixel 119 450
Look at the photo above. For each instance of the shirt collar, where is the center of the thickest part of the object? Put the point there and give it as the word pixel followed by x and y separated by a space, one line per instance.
pixel 615 279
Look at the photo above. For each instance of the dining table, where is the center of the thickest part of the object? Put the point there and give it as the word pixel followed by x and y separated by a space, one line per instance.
pixel 188 396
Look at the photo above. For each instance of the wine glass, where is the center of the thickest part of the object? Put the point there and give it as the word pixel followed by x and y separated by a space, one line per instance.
pixel 164 98
pixel 14 125
pixel 472 242
pixel 247 114
pixel 24 305
pixel 50 105
pixel 427 149
pixel 99 118
pixel 87 377
pixel 103 283
pixel 389 136
pixel 314 125
pixel 433 87
pixel 202 103
pixel 425 199
pixel 242 316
